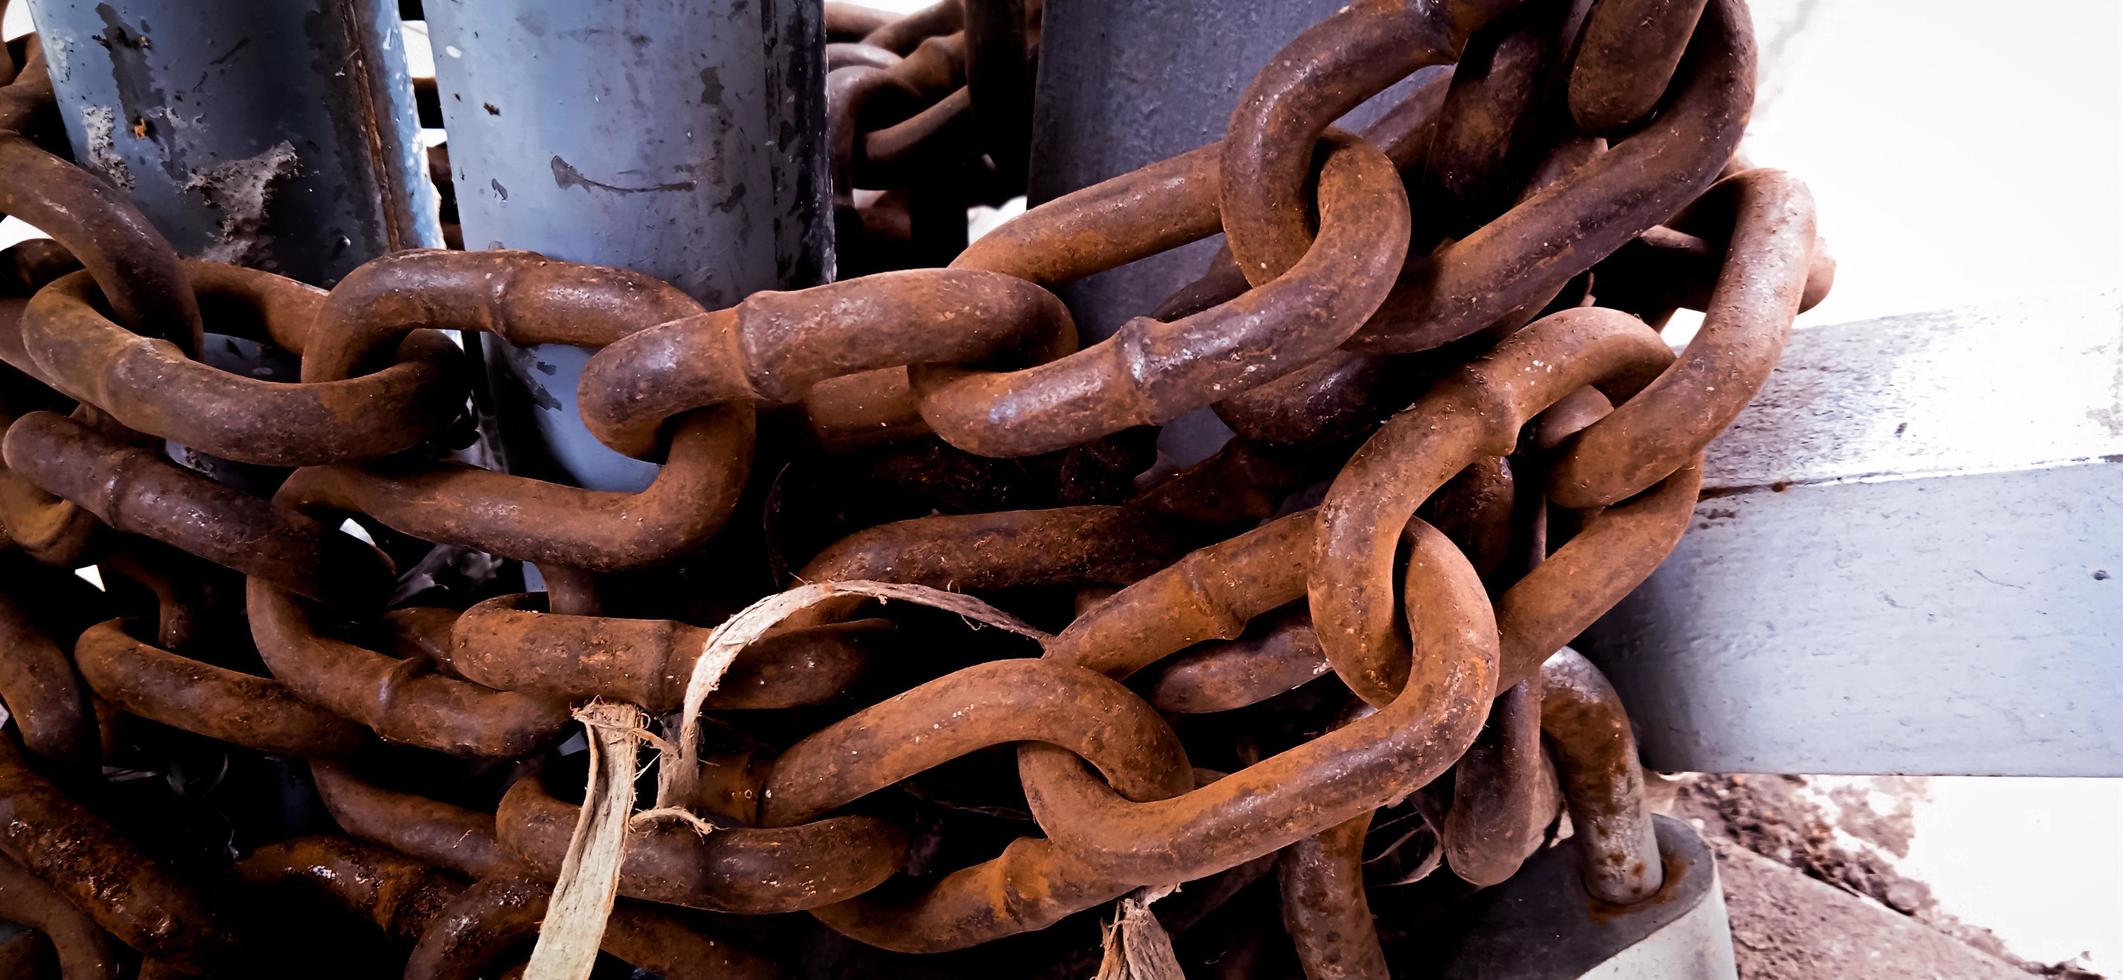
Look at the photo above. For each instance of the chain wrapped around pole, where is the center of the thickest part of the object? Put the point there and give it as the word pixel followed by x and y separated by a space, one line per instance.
pixel 1276 673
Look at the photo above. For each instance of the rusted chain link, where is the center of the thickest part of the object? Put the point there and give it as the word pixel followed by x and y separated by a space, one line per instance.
pixel 484 922
pixel 254 712
pixel 400 699
pixel 85 951
pixel 155 390
pixel 509 643
pixel 1504 795
pixel 137 491
pixel 45 698
pixel 1477 412
pixel 1748 317
pixel 1153 371
pixel 753 870
pixel 1538 245
pixel 1625 57
pixel 400 895
pixel 134 897
pixel 933 110
pixel 438 833
pixel 1440 331
pixel 1602 780
pixel 1306 789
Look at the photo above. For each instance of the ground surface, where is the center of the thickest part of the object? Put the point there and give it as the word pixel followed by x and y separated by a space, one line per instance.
pixel 1786 926
pixel 1813 887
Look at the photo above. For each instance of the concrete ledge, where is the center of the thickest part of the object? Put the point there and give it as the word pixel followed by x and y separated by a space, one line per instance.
pixel 1906 560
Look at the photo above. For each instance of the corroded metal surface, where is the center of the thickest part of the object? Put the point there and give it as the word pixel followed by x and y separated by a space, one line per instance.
pixel 44 697
pixel 133 896
pixel 754 870
pixel 1324 908
pixel 255 712
pixel 1602 780
pixel 485 921
pixel 1329 651
pixel 435 832
pixel 79 351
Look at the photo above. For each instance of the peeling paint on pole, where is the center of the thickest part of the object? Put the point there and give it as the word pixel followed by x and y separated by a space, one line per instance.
pixel 275 135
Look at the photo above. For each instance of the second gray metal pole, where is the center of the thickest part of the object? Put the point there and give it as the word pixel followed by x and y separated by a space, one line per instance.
pixel 1125 83
pixel 679 139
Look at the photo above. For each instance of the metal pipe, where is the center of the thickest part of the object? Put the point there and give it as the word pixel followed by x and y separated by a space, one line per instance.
pixel 1920 492
pixel 681 140
pixel 275 135
pixel 1091 121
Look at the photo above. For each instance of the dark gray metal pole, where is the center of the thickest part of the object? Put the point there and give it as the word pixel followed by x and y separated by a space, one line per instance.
pixel 680 139
pixel 1124 83
pixel 270 133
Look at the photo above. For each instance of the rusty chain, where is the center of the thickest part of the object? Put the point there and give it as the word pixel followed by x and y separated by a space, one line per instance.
pixel 1333 646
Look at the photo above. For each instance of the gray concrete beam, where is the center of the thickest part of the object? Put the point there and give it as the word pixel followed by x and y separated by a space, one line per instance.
pixel 1908 558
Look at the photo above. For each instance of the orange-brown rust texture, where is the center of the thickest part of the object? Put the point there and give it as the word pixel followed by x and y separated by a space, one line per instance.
pixel 135 897
pixel 1267 154
pixel 524 298
pixel 532 520
pixel 1744 328
pixel 399 894
pixel 401 700
pixel 1626 56
pixel 1544 241
pixel 508 643
pixel 85 951
pixel 1476 412
pixel 43 695
pixel 994 703
pixel 431 831
pixel 140 492
pixel 157 390
pixel 1306 789
pixel 1603 782
pixel 1276 654
pixel 468 937
pixel 751 870
pixel 1153 371
pixel 134 266
pixel 1504 794
pixel 241 709
pixel 775 346
pixel 1324 908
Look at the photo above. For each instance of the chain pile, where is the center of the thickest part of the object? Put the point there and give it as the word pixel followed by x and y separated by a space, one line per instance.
pixel 1319 677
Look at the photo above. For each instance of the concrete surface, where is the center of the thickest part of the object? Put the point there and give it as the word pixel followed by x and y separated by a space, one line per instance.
pixel 1786 926
pixel 2036 862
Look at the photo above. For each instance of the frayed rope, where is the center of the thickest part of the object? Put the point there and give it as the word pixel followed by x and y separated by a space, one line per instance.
pixel 589 874
pixel 1136 945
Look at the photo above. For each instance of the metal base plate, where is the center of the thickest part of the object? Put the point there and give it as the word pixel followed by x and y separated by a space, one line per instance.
pixel 1542 925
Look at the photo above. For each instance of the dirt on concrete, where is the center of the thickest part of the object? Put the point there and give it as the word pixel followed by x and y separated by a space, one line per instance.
pixel 1788 926
pixel 1814 893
